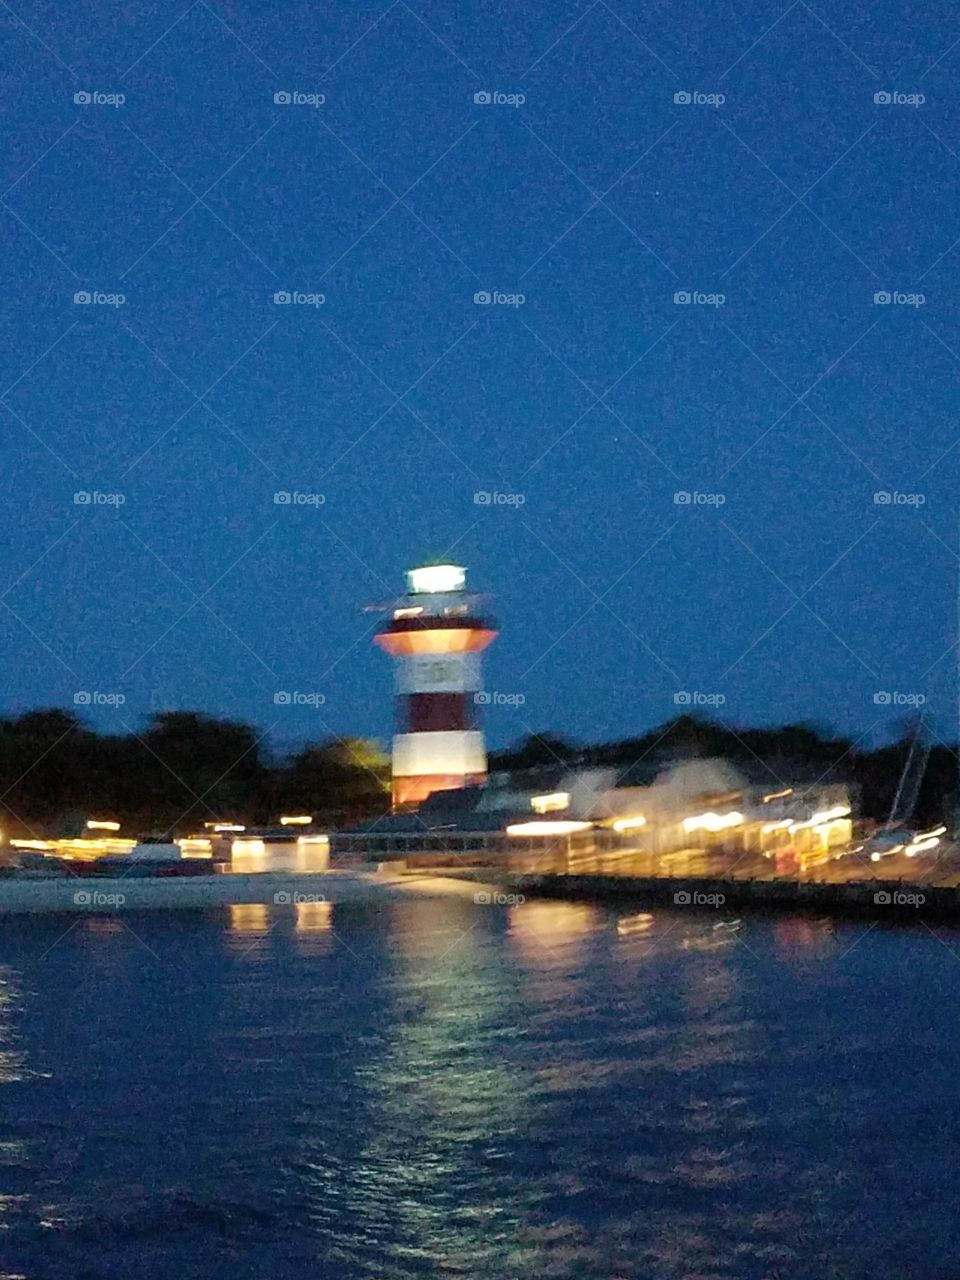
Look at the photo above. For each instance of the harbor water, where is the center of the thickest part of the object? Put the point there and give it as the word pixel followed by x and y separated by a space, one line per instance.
pixel 442 1088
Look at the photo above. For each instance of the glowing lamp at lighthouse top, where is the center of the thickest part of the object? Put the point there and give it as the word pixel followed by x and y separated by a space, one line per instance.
pixel 433 578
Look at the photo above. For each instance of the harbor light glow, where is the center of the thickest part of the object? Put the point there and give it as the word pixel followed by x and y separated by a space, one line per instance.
pixel 99 824
pixel 296 820
pixel 924 841
pixel 550 803
pixel 777 826
pixel 195 847
pixel 436 578
pixel 554 827
pixel 248 844
pixel 824 818
pixel 778 795
pixel 713 821
pixel 628 824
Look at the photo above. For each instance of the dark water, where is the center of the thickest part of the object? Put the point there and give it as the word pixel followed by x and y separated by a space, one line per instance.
pixel 440 1089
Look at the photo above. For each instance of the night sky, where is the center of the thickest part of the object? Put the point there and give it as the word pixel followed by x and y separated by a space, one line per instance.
pixel 783 586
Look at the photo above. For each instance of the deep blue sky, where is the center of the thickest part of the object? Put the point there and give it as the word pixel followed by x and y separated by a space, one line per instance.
pixel 598 198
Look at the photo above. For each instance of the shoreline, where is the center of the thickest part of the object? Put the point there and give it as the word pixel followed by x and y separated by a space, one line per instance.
pixel 109 895
pixel 879 900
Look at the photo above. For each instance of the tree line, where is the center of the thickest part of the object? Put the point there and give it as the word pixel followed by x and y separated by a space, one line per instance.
pixel 872 775
pixel 181 770
pixel 185 768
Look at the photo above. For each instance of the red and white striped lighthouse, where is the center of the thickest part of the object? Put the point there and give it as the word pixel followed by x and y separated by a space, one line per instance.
pixel 436 633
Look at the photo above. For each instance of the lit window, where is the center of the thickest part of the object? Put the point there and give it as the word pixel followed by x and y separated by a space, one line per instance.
pixel 550 803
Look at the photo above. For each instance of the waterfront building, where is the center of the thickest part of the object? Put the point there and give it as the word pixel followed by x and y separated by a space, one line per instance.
pixel 655 806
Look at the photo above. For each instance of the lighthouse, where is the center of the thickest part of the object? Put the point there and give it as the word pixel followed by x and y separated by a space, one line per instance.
pixel 436 633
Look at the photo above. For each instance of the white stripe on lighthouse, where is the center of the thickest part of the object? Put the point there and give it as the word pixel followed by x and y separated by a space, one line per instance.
pixel 438 673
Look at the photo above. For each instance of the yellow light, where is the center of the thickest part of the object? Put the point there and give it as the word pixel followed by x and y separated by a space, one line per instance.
pixel 778 795
pixel 561 827
pixel 828 815
pixel 95 824
pixel 297 820
pixel 82 847
pixel 875 857
pixel 776 826
pixel 313 839
pixel 640 923
pixel 313 917
pixel 628 824
pixel 31 844
pixel 550 803
pixel 713 821
pixel 824 816
pixel 921 845
pixel 248 845
pixel 195 847
pixel 248 917
pixel 224 826
pixel 436 577
pixel 407 644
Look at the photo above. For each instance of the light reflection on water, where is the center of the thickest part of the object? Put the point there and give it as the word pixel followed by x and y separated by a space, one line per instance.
pixel 434 1088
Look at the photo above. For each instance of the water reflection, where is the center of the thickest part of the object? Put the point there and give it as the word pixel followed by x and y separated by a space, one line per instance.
pixel 313 922
pixel 445 1104
pixel 314 917
pixel 802 939
pixel 627 927
pixel 249 917
pixel 444 1095
pixel 544 929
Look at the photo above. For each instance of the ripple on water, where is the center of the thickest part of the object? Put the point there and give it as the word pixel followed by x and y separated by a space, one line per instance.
pixel 440 1090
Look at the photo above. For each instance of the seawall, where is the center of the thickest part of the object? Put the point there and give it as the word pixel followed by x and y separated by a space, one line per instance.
pixel 873 899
